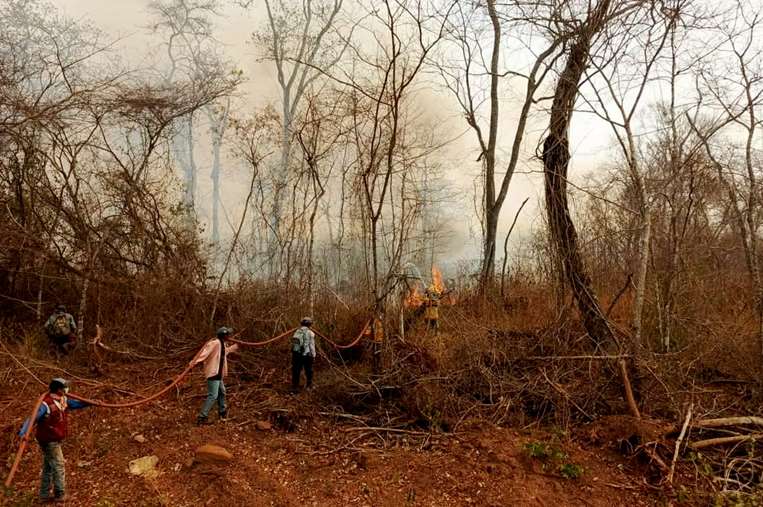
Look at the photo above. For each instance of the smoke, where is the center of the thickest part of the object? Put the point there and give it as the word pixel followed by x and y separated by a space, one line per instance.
pixel 459 202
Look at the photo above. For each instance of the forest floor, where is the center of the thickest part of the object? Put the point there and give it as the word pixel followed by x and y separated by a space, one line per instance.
pixel 289 450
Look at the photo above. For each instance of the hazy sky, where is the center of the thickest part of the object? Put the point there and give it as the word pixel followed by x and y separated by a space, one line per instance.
pixel 128 21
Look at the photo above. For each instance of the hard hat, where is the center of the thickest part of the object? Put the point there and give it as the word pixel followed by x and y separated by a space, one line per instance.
pixel 224 331
pixel 306 321
pixel 60 308
pixel 58 383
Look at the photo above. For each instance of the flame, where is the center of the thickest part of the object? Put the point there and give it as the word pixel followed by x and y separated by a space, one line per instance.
pixel 417 295
pixel 437 283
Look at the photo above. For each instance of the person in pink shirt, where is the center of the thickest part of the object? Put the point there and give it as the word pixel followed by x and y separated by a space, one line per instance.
pixel 214 355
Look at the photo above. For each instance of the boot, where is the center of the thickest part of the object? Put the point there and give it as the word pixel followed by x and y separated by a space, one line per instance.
pixel 224 416
pixel 202 421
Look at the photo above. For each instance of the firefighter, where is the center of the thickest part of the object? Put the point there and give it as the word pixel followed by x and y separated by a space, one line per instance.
pixel 432 308
pixel 51 430
pixel 302 355
pixel 214 355
pixel 61 330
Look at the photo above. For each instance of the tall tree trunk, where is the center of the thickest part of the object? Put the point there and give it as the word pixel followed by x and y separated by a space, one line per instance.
pixel 190 169
pixel 643 266
pixel 556 157
pixel 216 190
pixel 491 211
pixel 217 144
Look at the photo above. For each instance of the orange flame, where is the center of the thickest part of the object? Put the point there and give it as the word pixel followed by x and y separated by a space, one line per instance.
pixel 437 283
pixel 416 294
pixel 415 297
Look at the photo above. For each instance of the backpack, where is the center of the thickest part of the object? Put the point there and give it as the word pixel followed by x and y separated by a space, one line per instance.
pixel 61 326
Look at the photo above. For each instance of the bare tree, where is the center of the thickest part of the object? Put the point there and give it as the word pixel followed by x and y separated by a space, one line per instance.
pixel 301 37
pixel 556 157
pixel 469 76
pixel 619 79
pixel 320 132
pixel 218 115
pixel 736 87
pixel 84 141
pixel 191 55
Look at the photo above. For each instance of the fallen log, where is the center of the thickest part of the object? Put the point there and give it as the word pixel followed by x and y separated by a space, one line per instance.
pixel 737 439
pixel 729 421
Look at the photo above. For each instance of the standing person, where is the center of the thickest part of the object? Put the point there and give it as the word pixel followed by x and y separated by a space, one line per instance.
pixel 61 330
pixel 431 309
pixel 50 432
pixel 302 354
pixel 214 355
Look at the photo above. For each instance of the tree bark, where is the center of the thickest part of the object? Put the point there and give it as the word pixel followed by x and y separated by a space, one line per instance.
pixel 556 158
pixel 491 210
pixel 643 266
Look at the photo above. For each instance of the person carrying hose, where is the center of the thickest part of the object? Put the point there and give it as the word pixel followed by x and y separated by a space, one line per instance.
pixel 214 355
pixel 51 430
pixel 302 354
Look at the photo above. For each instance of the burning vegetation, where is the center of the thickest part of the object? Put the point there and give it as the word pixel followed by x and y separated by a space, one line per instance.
pixel 630 322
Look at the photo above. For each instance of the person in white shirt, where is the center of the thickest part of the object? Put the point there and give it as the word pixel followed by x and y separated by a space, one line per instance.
pixel 302 354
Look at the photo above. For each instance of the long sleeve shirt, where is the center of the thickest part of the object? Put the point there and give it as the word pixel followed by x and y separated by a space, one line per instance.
pixel 304 341
pixel 44 410
pixel 212 358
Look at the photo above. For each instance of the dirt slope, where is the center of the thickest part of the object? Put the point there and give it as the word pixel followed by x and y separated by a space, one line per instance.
pixel 313 459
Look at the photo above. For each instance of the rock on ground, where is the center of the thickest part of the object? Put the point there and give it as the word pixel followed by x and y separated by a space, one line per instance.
pixel 213 454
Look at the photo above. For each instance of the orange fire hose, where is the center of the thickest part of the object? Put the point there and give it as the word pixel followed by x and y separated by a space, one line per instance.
pixel 154 396
pixel 24 441
pixel 176 381
pixel 135 403
pixel 349 345
pixel 265 342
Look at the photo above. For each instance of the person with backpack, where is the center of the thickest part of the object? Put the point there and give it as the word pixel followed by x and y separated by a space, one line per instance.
pixel 302 354
pixel 61 330
pixel 214 355
pixel 51 430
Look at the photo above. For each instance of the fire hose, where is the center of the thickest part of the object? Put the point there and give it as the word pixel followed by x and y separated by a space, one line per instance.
pixel 349 345
pixel 176 381
pixel 265 342
pixel 23 444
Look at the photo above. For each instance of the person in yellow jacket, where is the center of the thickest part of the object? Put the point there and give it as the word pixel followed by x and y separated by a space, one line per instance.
pixel 432 308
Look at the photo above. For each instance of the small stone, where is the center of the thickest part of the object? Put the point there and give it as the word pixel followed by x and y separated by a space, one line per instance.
pixel 263 425
pixel 139 438
pixel 211 453
pixel 145 466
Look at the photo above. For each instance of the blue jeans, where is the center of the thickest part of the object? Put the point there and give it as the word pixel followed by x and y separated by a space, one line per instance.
pixel 215 393
pixel 52 470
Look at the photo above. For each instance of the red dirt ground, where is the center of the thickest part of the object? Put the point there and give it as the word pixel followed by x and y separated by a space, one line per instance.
pixel 480 465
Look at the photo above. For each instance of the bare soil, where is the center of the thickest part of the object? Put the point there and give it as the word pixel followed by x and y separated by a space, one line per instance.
pixel 310 458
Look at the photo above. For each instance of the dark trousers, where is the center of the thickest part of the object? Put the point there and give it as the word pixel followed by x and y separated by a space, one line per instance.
pixel 298 362
pixel 62 344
